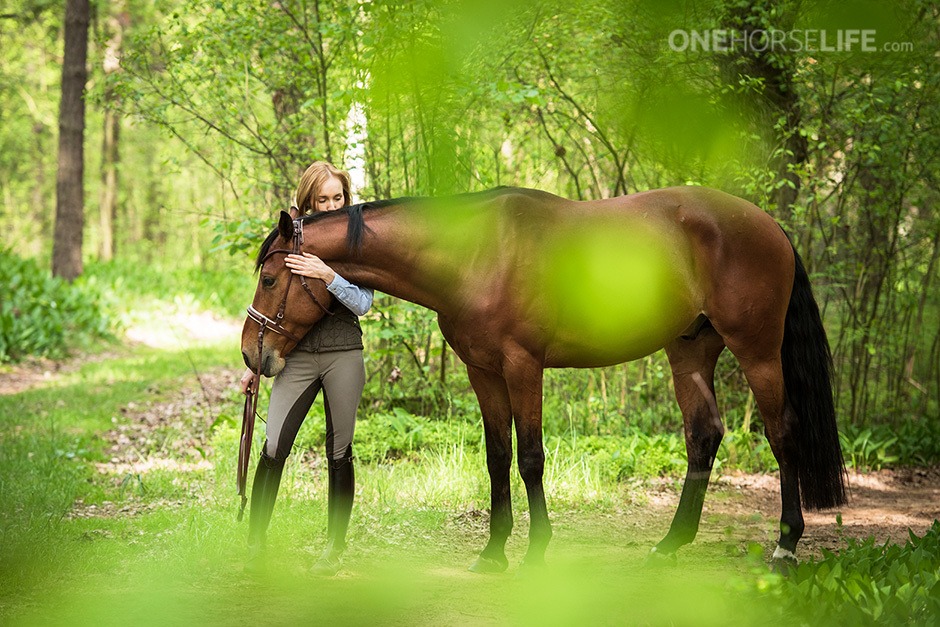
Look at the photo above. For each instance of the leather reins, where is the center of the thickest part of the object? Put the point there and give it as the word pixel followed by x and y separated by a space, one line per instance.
pixel 250 410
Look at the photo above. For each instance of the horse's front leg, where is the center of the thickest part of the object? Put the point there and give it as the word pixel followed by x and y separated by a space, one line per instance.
pixel 524 379
pixel 493 397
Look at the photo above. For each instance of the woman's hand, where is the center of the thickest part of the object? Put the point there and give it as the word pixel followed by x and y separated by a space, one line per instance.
pixel 310 266
pixel 247 378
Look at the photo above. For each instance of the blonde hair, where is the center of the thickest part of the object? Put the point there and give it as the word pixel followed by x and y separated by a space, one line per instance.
pixel 313 180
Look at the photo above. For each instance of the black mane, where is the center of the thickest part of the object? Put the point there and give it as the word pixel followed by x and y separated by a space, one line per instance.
pixel 357 228
pixel 354 233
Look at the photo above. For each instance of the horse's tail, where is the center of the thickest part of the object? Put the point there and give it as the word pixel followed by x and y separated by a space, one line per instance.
pixel 807 373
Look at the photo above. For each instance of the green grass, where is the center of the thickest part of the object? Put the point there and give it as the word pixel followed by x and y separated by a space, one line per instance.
pixel 165 547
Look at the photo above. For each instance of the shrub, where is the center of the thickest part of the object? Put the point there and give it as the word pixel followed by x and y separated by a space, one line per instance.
pixel 911 443
pixel 44 316
pixel 226 289
pixel 395 434
pixel 867 583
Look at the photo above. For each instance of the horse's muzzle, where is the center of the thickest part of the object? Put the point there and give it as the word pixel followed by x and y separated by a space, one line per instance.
pixel 271 362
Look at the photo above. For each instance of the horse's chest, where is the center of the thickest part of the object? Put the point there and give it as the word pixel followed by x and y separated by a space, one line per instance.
pixel 478 337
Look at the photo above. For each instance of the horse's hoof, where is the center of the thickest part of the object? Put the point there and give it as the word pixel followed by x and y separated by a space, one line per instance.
pixel 658 559
pixel 529 568
pixel 783 562
pixel 485 565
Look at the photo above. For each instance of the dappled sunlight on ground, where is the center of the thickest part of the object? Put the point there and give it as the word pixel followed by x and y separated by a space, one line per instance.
pixel 885 504
pixel 175 328
pixel 160 325
pixel 162 440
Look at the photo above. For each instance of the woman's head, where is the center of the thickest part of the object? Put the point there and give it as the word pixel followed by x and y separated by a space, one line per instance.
pixel 322 187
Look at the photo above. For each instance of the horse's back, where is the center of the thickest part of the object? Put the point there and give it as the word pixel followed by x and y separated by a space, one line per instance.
pixel 607 281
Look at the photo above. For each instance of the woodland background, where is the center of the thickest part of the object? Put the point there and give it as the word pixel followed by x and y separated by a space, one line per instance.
pixel 146 147
pixel 199 117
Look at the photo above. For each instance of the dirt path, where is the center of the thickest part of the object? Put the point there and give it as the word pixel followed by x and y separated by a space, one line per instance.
pixel 172 329
pixel 18 378
pixel 884 504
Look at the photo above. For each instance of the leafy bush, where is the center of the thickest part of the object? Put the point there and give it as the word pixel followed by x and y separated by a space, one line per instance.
pixel 624 457
pixel 239 237
pixel 226 290
pixel 390 435
pixel 867 583
pixel 745 450
pixel 912 443
pixel 44 316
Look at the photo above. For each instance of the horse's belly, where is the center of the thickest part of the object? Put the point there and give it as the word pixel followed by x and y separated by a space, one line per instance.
pixel 593 346
pixel 609 297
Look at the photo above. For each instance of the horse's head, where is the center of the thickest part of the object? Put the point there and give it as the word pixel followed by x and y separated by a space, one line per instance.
pixel 285 306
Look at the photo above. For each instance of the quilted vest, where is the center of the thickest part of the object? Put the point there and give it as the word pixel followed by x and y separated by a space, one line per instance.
pixel 339 332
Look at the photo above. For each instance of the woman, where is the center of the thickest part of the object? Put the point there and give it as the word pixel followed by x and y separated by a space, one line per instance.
pixel 328 357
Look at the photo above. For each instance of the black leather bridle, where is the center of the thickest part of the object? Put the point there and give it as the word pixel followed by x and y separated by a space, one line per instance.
pixel 276 325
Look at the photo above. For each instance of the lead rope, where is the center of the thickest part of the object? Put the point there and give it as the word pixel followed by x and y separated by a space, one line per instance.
pixel 250 409
pixel 249 412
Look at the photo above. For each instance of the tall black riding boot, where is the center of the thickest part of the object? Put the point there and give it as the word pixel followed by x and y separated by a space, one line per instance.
pixel 342 489
pixel 263 495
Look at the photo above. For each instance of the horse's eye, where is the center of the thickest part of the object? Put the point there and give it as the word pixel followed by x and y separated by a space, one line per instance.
pixel 267 281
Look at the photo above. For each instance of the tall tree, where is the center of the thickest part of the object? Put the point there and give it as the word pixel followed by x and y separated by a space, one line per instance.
pixel 115 23
pixel 70 210
pixel 769 71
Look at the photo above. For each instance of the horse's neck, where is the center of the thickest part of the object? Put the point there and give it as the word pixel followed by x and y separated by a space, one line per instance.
pixel 389 261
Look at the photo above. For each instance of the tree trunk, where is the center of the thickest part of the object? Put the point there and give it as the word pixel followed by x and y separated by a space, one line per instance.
pixel 777 69
pixel 110 154
pixel 69 211
pixel 109 183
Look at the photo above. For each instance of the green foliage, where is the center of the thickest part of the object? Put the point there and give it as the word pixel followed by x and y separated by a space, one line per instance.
pixel 399 434
pixel 866 583
pixel 911 443
pixel 44 316
pixel 30 70
pixel 224 287
pixel 746 451
pixel 239 237
pixel 564 97
pixel 639 456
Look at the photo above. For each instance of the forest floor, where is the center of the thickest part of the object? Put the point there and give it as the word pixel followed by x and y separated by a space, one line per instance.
pixel 153 538
pixel 885 504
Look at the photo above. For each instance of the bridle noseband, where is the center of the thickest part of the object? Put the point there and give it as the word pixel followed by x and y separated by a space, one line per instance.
pixel 276 325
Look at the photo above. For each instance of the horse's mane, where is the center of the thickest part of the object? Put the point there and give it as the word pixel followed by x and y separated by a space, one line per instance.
pixel 354 214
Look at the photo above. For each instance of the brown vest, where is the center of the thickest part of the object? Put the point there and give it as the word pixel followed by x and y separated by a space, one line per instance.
pixel 339 332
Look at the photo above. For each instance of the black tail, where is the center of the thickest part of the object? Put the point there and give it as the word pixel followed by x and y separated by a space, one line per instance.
pixel 807 374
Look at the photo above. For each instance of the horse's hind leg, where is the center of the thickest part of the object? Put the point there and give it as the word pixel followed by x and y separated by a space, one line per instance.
pixel 765 376
pixel 693 370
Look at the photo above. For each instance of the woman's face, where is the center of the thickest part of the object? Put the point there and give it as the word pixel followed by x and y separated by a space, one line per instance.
pixel 330 196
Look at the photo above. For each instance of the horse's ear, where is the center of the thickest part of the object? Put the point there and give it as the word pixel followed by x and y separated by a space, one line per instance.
pixel 294 213
pixel 285 225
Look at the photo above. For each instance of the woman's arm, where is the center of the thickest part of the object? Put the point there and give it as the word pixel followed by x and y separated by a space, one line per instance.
pixel 356 299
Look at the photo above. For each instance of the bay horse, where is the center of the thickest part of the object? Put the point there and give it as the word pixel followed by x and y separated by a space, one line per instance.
pixel 523 280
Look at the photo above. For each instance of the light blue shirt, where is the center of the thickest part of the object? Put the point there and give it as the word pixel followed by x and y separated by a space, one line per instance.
pixel 357 299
